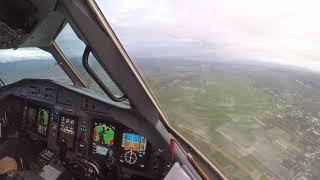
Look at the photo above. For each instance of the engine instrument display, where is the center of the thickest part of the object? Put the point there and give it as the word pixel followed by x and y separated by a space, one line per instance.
pixel 103 137
pixel 42 121
pixel 134 149
pixel 68 126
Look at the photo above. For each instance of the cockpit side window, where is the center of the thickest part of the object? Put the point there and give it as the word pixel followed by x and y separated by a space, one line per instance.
pixel 73 49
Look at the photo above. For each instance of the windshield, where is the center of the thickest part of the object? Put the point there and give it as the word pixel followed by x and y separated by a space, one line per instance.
pixel 29 63
pixel 239 79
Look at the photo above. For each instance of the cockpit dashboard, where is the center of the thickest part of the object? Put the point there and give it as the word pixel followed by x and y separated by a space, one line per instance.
pixel 89 127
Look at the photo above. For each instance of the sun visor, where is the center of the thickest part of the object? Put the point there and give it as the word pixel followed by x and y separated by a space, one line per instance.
pixel 28 23
pixel 17 19
pixel 10 38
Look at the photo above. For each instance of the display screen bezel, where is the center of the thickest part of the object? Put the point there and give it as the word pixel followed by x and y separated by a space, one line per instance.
pixel 109 122
pixel 34 126
pixel 143 160
pixel 76 119
pixel 26 122
pixel 119 130
pixel 49 118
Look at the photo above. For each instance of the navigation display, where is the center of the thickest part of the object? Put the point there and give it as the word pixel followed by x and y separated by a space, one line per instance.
pixel 68 126
pixel 134 142
pixel 134 149
pixel 42 121
pixel 103 138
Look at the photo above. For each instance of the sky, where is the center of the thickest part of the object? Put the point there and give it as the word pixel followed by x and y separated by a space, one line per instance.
pixel 281 31
pixel 9 55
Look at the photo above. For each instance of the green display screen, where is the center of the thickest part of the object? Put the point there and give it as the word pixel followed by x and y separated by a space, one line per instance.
pixel 103 137
pixel 43 121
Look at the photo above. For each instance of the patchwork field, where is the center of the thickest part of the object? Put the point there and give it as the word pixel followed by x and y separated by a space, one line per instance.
pixel 237 114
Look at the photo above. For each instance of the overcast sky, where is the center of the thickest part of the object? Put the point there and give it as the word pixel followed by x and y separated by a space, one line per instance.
pixel 284 31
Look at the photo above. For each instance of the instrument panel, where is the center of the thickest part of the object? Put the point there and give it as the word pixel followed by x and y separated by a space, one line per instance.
pixel 103 135
pixel 37 119
pixel 43 121
pixel 68 130
pixel 106 134
pixel 131 147
pixel 54 114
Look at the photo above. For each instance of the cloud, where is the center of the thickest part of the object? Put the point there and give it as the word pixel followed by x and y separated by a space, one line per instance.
pixel 278 31
pixel 23 54
pixel 284 31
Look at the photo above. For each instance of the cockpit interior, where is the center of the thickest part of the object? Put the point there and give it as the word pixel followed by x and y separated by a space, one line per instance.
pixel 78 130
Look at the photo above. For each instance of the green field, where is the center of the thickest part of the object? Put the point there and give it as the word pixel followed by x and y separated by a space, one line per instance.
pixel 199 105
pixel 315 166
